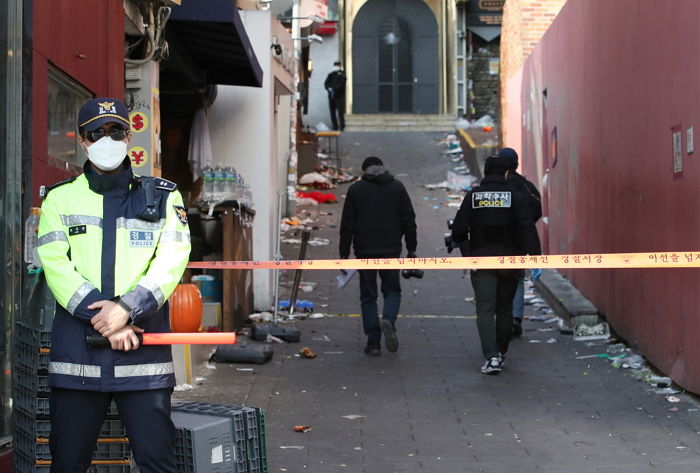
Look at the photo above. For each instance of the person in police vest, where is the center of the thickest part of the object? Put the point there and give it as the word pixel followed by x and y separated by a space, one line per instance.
pixel 113 246
pixel 494 220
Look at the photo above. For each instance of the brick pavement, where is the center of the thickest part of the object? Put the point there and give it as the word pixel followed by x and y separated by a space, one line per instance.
pixel 427 408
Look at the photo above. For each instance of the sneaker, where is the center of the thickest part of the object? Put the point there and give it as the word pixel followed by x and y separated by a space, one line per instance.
pixel 517 328
pixel 492 365
pixel 390 339
pixel 373 350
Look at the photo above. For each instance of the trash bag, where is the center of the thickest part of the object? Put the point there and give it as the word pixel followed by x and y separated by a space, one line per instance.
pixel 486 120
pixel 242 353
pixel 461 123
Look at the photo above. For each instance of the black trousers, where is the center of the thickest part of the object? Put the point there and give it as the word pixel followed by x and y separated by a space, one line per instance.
pixel 494 290
pixel 337 106
pixel 77 416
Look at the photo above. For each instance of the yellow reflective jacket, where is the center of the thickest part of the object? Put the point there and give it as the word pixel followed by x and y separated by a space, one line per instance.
pixel 112 237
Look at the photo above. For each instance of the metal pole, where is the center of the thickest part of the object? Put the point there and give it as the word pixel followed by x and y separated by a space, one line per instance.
pixel 278 255
pixel 305 234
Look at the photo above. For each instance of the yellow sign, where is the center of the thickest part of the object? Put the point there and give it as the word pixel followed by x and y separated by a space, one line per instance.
pixel 138 121
pixel 138 156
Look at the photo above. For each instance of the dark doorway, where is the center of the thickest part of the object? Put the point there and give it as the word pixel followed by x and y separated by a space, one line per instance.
pixel 395 58
pixel 395 67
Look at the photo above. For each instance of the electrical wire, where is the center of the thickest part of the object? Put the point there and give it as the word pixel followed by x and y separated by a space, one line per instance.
pixel 158 46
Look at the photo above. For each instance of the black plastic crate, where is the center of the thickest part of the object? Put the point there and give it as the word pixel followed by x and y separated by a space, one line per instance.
pixel 30 403
pixel 252 440
pixel 35 384
pixel 38 407
pixel 262 439
pixel 31 359
pixel 27 335
pixel 238 421
pixel 204 443
pixel 41 428
pixel 249 443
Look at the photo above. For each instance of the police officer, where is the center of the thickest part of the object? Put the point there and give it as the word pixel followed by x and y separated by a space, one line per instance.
pixel 335 86
pixel 534 201
pixel 494 220
pixel 113 246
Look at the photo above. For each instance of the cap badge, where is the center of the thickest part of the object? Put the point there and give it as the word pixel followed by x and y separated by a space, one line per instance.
pixel 107 107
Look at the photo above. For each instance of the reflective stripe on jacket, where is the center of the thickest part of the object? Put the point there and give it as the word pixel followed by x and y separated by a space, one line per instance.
pixel 94 246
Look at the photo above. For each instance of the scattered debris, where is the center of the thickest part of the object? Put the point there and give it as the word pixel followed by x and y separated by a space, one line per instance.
pixel 353 417
pixel 673 399
pixel 291 447
pixel 183 387
pixel 318 315
pixel 302 428
pixel 306 352
pixel 599 331
pixel 319 242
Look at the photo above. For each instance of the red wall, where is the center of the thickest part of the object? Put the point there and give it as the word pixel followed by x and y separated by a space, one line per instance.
pixel 618 76
pixel 85 40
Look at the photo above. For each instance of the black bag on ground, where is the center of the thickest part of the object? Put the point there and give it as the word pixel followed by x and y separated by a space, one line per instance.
pixel 242 353
pixel 288 334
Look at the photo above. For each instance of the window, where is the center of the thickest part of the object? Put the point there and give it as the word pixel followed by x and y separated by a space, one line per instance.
pixel 66 96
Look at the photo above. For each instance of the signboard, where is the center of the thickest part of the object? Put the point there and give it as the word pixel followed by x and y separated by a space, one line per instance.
pixel 312 8
pixel 485 12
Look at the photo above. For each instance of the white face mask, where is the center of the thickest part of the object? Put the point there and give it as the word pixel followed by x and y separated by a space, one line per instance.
pixel 106 153
pixel 336 68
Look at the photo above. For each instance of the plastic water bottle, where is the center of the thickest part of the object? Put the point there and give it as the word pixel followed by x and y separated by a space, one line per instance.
pixel 219 182
pixel 31 227
pixel 230 182
pixel 208 188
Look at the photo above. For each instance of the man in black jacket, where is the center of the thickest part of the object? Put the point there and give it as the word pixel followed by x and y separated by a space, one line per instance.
pixel 494 220
pixel 376 215
pixel 335 86
pixel 532 195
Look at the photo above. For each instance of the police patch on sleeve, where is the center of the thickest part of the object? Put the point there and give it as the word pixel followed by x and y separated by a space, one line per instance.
pixel 482 200
pixel 181 214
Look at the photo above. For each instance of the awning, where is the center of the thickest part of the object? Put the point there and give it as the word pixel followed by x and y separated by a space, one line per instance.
pixel 488 33
pixel 213 34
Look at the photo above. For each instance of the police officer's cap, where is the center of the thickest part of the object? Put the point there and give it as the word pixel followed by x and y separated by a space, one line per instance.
pixel 495 165
pixel 510 156
pixel 97 112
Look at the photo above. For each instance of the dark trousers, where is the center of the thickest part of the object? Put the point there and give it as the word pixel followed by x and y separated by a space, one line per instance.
pixel 391 290
pixel 77 416
pixel 494 290
pixel 337 106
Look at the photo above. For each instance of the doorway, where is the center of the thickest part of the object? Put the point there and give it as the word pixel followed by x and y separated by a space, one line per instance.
pixel 395 53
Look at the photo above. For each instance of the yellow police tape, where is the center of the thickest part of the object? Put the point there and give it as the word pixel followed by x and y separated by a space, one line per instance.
pixel 683 259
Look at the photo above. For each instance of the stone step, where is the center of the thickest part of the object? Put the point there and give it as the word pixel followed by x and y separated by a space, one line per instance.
pixel 403 122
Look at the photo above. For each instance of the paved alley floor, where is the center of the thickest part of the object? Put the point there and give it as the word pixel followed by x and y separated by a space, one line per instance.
pixel 427 408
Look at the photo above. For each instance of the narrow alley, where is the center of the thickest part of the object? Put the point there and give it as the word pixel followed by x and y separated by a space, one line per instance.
pixel 427 408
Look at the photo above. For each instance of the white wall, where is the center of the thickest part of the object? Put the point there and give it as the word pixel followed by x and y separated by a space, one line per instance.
pixel 243 134
pixel 322 56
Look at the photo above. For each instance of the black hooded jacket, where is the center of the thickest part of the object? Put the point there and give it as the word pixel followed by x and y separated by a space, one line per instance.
pixel 376 215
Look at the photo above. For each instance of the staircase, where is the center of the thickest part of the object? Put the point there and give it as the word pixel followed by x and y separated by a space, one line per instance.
pixel 404 122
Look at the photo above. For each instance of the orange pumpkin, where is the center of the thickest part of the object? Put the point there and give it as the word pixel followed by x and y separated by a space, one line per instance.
pixel 185 308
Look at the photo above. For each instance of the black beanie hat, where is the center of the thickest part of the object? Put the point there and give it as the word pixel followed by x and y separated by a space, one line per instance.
pixel 510 156
pixel 371 161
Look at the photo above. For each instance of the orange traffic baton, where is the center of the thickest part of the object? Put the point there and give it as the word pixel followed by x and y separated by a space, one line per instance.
pixel 196 338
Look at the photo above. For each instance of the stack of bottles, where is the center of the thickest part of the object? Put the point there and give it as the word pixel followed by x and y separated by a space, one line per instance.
pixel 223 183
